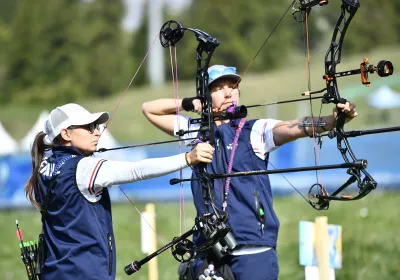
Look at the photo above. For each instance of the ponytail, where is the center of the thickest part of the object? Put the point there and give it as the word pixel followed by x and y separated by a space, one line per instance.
pixel 37 153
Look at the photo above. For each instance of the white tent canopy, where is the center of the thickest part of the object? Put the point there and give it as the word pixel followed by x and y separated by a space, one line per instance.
pixel 27 141
pixel 384 98
pixel 7 144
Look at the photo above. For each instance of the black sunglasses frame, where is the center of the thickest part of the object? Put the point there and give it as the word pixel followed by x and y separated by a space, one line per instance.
pixel 91 127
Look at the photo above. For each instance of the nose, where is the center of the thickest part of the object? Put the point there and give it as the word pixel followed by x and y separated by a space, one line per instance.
pixel 97 132
pixel 228 92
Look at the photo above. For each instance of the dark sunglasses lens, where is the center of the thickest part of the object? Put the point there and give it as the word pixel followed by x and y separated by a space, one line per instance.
pixel 93 127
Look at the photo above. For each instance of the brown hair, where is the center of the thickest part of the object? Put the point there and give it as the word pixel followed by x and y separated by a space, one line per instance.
pixel 37 153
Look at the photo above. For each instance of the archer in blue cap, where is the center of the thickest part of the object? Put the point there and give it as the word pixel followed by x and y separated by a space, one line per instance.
pixel 248 200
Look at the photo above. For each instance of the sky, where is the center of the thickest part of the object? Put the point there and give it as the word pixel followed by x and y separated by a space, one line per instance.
pixel 134 10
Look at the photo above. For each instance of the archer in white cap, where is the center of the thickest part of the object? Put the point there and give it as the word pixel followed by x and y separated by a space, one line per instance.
pixel 70 187
pixel 248 200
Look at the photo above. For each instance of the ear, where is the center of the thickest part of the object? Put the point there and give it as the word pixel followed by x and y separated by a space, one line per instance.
pixel 65 135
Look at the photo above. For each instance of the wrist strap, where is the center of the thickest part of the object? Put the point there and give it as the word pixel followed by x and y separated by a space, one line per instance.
pixel 187 103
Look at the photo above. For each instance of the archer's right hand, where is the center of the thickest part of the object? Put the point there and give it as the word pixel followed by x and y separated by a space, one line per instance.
pixel 192 104
pixel 203 152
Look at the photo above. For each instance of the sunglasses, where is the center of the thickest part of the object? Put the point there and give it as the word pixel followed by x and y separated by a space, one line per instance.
pixel 89 127
pixel 213 74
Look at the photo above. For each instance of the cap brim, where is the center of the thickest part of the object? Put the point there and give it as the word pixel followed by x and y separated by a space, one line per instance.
pixel 234 77
pixel 100 118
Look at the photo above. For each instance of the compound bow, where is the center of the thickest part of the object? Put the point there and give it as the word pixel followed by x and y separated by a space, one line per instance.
pixel 212 225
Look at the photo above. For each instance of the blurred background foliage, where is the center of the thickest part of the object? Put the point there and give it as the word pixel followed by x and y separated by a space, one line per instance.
pixel 67 50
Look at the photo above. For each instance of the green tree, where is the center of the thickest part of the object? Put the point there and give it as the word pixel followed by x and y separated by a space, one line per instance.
pixel 241 27
pixel 104 45
pixel 373 25
pixel 44 51
pixel 7 10
pixel 138 49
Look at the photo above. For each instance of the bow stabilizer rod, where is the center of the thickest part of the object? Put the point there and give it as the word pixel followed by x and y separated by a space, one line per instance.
pixel 358 164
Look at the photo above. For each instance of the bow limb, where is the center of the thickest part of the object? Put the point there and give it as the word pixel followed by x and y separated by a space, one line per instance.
pixel 332 58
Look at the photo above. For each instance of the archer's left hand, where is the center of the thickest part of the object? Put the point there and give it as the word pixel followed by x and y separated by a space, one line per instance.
pixel 349 108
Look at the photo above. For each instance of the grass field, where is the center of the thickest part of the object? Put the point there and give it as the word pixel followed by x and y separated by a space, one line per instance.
pixel 371 242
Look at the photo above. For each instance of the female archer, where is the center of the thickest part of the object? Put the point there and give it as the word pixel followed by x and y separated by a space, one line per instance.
pixel 248 200
pixel 70 188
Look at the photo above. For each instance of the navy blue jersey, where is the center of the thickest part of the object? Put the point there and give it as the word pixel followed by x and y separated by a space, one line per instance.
pixel 251 215
pixel 78 233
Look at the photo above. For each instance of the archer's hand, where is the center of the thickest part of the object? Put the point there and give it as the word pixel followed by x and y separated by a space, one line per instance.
pixel 197 106
pixel 348 108
pixel 203 152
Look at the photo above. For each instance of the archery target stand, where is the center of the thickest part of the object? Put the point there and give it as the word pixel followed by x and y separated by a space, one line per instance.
pixel 320 248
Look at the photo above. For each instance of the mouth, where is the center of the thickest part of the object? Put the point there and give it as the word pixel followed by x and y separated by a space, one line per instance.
pixel 227 104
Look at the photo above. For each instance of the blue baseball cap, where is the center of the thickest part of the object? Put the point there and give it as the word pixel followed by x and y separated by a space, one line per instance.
pixel 216 72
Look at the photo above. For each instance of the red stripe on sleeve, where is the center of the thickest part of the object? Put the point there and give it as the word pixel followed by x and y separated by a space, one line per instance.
pixel 94 172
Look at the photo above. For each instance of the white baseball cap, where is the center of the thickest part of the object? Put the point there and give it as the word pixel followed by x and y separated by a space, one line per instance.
pixel 70 114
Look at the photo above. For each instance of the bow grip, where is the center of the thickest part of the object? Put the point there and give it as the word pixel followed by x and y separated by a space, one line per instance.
pixel 341 115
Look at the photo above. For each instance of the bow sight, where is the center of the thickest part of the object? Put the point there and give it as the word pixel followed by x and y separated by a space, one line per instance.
pixel 384 69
